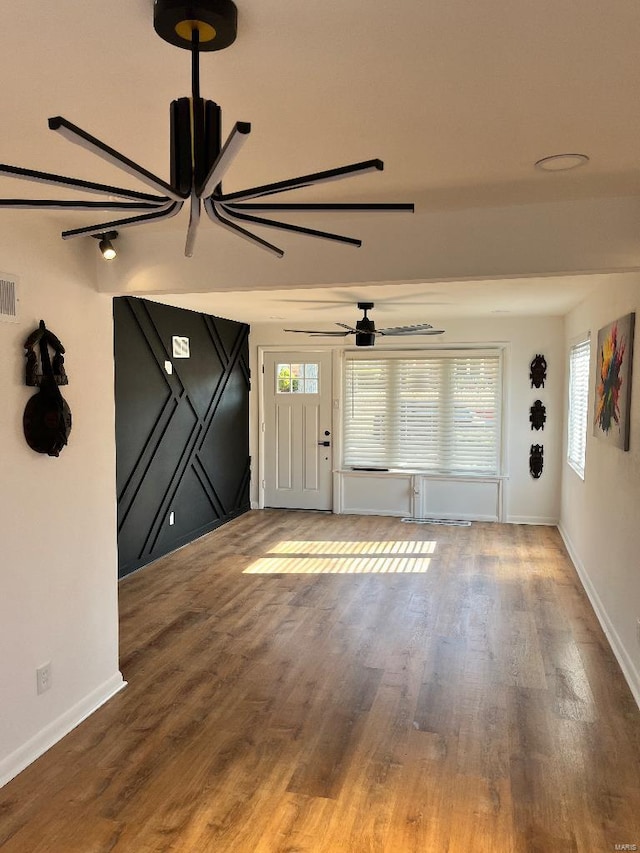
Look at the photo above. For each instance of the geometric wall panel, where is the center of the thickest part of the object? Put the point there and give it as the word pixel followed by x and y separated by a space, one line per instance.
pixel 182 438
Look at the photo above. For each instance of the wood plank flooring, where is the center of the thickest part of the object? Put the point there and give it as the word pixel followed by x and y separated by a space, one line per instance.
pixel 465 700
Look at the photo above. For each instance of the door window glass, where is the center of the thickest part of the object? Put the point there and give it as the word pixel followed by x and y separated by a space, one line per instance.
pixel 297 378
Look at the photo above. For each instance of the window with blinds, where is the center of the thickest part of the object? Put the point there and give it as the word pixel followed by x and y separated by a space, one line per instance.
pixel 434 412
pixel 579 357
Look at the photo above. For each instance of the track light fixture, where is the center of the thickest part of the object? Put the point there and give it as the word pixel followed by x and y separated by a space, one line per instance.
pixel 199 160
pixel 105 245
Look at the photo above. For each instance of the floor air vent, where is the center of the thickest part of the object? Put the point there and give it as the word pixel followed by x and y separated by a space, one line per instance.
pixel 455 522
pixel 8 298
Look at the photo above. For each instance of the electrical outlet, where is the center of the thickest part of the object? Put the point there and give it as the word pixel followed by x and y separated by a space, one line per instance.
pixel 172 518
pixel 43 677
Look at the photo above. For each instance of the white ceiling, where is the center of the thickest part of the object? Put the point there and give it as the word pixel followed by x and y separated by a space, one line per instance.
pixel 459 100
pixel 397 303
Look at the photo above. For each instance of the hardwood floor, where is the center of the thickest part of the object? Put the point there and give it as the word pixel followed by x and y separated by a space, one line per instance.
pixel 465 700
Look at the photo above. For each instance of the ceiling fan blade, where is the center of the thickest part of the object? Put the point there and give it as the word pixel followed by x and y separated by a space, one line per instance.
pixel 407 331
pixel 351 329
pixel 399 330
pixel 314 333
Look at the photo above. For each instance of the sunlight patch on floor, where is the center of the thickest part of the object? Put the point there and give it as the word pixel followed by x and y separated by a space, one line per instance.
pixel 344 558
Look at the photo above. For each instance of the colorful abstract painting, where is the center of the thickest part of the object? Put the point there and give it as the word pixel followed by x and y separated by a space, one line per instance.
pixel 613 382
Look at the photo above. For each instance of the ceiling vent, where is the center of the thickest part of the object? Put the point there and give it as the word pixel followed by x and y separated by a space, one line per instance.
pixel 8 298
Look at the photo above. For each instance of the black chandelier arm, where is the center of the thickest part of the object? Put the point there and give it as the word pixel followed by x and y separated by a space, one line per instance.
pixel 90 143
pixel 36 204
pixel 167 212
pixel 230 149
pixel 192 230
pixel 286 226
pixel 319 208
pixel 303 181
pixel 215 215
pixel 77 184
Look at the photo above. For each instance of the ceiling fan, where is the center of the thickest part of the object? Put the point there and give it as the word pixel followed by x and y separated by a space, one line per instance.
pixel 365 329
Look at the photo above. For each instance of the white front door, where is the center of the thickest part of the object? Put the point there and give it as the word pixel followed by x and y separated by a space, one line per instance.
pixel 297 430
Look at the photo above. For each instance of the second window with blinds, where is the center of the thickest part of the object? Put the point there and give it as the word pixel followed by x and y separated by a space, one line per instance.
pixel 438 412
pixel 579 358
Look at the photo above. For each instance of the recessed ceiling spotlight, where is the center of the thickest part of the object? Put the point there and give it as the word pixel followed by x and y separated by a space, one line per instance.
pixel 561 162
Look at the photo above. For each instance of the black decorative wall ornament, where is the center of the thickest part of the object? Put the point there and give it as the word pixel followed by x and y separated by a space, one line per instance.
pixel 538 415
pixel 536 461
pixel 538 371
pixel 47 417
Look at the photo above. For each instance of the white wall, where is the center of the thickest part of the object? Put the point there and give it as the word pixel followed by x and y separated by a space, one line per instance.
pixel 526 499
pixel 58 587
pixel 599 516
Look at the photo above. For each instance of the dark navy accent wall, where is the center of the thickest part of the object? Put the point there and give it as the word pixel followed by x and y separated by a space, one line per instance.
pixel 182 439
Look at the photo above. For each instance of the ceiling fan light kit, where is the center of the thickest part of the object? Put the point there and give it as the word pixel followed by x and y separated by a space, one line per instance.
pixel 365 330
pixel 198 158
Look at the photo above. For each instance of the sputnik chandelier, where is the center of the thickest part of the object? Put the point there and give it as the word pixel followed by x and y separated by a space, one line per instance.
pixel 198 159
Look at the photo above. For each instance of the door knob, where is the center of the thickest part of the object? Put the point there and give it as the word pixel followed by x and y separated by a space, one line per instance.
pixel 324 444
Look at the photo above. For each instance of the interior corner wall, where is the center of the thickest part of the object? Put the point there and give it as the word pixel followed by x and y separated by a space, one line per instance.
pixel 58 522
pixel 599 515
pixel 525 500
pixel 182 427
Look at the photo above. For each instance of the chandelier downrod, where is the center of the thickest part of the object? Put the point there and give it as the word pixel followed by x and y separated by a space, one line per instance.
pixel 195 64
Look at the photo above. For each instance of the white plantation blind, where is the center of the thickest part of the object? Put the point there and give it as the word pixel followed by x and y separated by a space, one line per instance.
pixel 579 357
pixel 436 412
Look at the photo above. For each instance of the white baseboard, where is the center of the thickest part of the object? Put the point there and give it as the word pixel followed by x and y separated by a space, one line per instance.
pixel 631 674
pixel 532 519
pixel 35 747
